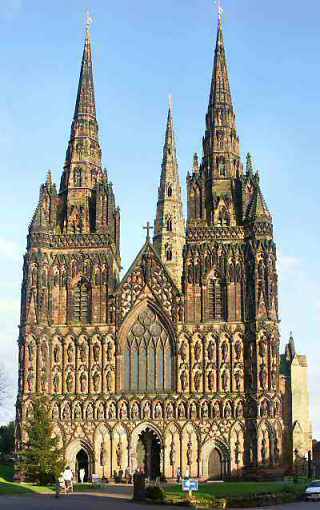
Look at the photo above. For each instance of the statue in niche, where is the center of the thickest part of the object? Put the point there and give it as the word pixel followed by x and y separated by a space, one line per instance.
pixel 96 382
pixel 169 411
pixel 83 352
pixel 227 410
pixel 55 412
pixel 263 451
pixel 123 411
pixel 30 381
pixel 158 412
pixel 211 380
pixel 34 277
pixel 211 351
pixel 89 412
pixel 197 381
pixel 146 410
pixel 44 352
pixel 77 413
pixel 224 352
pixel 101 412
pixel 66 415
pixel 197 351
pixel 263 376
pixel 56 383
pixel 96 352
pixel 264 408
pixel 262 348
pixel 193 410
pixel 189 452
pixel 109 351
pixel 70 353
pixel 69 382
pixel 109 382
pixel 183 351
pixel 146 266
pixel 239 410
pixel 112 411
pixel 83 382
pixel 238 349
pixel 216 410
pixel 237 378
pixel 225 380
pixel 183 380
pixel 181 411
pixel 119 453
pixel 273 377
pixel 135 411
pixel 205 410
pixel 56 354
pixel 30 352
pixel 172 454
pixel 190 273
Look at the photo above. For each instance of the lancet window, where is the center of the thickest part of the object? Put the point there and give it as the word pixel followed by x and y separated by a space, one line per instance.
pixel 81 302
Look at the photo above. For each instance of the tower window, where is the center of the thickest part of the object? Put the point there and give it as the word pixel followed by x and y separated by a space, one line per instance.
pixel 169 253
pixel 169 191
pixel 81 304
pixel 169 224
pixel 78 177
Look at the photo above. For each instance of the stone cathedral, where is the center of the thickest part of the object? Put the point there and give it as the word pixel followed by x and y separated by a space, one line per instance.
pixel 176 364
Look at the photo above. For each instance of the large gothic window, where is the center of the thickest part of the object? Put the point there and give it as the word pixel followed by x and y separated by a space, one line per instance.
pixel 81 302
pixel 148 356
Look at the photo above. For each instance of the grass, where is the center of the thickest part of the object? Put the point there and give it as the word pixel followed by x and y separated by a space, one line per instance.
pixel 237 489
pixel 8 486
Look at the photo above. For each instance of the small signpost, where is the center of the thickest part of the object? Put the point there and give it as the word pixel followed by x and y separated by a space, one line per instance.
pixel 189 485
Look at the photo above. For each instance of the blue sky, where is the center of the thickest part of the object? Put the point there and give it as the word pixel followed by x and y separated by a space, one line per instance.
pixel 144 51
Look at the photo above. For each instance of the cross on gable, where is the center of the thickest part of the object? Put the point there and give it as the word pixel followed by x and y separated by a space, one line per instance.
pixel 148 227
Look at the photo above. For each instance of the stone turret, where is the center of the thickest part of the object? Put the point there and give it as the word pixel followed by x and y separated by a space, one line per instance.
pixel 169 226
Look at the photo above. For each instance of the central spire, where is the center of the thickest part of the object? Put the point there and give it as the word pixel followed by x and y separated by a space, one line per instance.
pixel 85 103
pixel 221 152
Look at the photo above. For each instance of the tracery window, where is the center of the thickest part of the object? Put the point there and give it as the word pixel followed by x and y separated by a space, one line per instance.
pixel 148 356
pixel 216 299
pixel 81 302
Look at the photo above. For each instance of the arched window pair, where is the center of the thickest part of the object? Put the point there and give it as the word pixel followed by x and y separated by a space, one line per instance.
pixel 148 359
pixel 81 302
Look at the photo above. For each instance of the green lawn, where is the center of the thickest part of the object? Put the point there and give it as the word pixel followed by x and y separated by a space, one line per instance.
pixel 235 489
pixel 7 486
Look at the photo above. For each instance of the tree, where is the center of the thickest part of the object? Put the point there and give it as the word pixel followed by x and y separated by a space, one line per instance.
pixel 41 459
pixel 7 438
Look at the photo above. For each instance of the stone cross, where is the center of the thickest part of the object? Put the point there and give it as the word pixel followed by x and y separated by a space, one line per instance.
pixel 148 227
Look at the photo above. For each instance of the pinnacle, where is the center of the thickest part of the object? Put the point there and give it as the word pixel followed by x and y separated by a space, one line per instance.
pixel 249 166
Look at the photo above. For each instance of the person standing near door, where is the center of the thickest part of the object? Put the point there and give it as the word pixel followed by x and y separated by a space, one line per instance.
pixel 82 473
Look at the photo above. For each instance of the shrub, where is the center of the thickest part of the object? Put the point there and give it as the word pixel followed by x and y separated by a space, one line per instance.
pixel 154 493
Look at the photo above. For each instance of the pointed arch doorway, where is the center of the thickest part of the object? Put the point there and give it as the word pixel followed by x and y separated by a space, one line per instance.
pixel 148 453
pixel 82 462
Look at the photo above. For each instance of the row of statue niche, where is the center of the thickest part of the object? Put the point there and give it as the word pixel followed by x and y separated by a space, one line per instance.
pixel 198 377
pixel 96 379
pixel 211 350
pixel 83 351
pixel 196 271
pixel 263 349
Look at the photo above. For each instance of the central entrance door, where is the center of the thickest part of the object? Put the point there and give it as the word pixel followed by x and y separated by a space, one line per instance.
pixel 82 462
pixel 148 454
pixel 215 465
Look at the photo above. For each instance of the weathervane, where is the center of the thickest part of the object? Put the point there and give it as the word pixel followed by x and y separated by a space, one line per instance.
pixel 89 20
pixel 220 10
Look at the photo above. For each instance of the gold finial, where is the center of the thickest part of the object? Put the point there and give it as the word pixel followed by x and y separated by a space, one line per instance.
pixel 89 21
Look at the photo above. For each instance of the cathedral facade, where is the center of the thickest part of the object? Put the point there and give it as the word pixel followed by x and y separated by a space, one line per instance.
pixel 176 365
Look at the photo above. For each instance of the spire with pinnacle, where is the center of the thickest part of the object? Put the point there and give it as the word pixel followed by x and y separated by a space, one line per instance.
pixel 169 228
pixel 221 152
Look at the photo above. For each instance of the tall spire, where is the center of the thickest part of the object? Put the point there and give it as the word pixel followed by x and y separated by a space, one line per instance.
pixel 85 103
pixel 169 228
pixel 220 143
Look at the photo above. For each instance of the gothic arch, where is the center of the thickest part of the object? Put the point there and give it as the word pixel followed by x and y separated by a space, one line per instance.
pixel 215 453
pixel 73 448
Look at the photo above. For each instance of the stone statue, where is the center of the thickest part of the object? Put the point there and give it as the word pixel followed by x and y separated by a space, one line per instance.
pixel 216 410
pixel 56 354
pixel 123 411
pixel 69 382
pixel 146 410
pixel 172 453
pixel 205 410
pixel 193 410
pixel 211 351
pixel 96 382
pixel 44 353
pixel 30 381
pixel 169 411
pixel 189 453
pixel 158 412
pixel 237 377
pixel 197 351
pixel 30 352
pixel 96 352
pixel 44 380
pixel 181 411
pixel 83 352
pixel 112 411
pixel 109 351
pixel 101 412
pixel 83 382
pixel 224 352
pixel 273 378
pixel 135 411
pixel 211 380
pixel 89 412
pixel 70 353
pixel 183 351
pixel 239 410
pixel 262 349
pixel 238 349
pixel 225 380
pixel 197 381
pixel 66 415
pixel 77 413
pixel 109 382
pixel 263 376
pixel 56 383
pixel 227 410
pixel 119 454
pixel 55 412
pixel 183 380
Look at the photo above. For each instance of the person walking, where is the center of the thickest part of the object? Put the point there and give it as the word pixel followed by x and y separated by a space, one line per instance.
pixel 68 477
